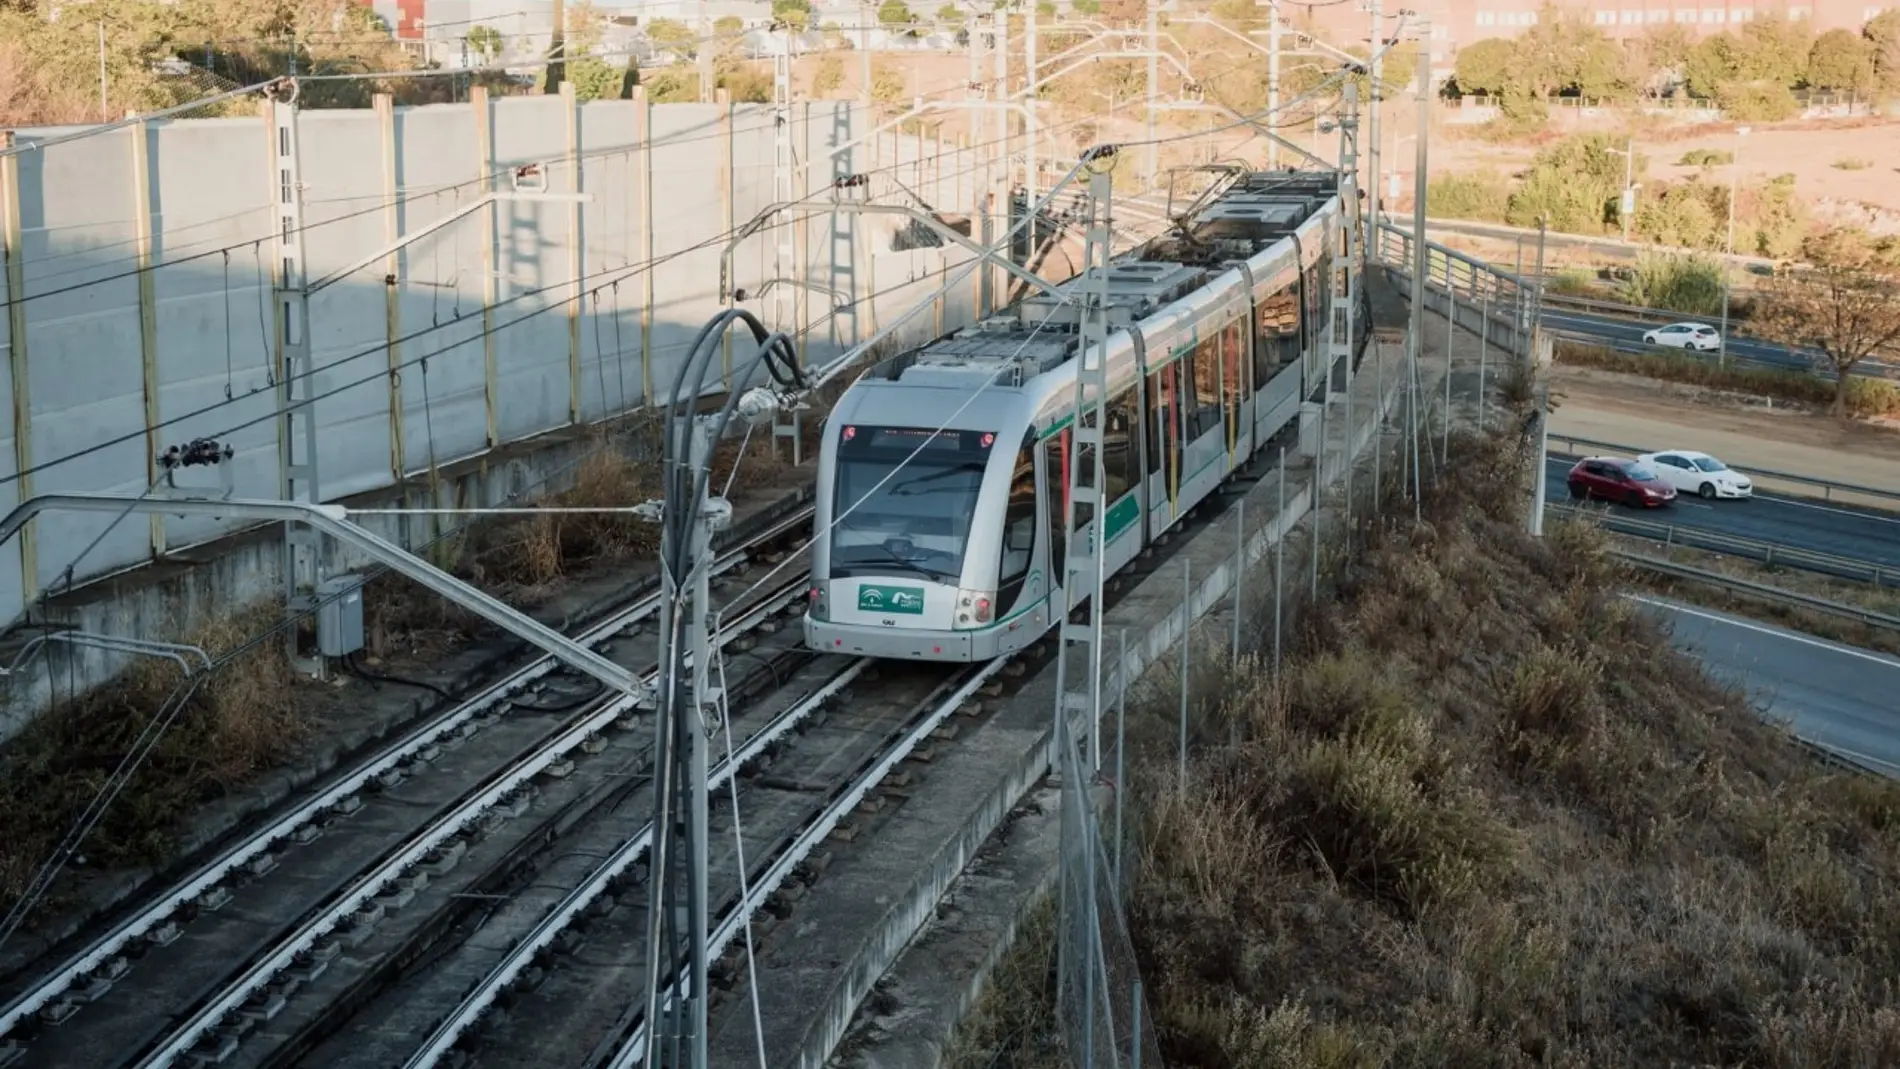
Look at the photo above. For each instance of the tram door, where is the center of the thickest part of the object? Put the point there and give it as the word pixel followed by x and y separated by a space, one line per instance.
pixel 1231 388
pixel 1164 433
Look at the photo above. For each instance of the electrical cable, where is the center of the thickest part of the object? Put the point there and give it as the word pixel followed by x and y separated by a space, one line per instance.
pixel 352 666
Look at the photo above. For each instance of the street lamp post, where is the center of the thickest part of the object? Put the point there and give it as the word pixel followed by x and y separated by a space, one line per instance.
pixel 1728 262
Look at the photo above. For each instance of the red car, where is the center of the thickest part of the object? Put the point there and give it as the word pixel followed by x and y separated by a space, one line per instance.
pixel 1634 484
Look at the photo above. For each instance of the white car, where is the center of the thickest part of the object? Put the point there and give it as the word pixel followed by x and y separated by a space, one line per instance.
pixel 1692 336
pixel 1691 472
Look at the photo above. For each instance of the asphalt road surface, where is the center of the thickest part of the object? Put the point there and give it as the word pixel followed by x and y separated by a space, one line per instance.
pixel 1835 530
pixel 1629 332
pixel 1834 696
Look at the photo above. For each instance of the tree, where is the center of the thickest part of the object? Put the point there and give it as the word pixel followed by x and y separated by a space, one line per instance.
pixel 950 15
pixel 671 35
pixel 1086 7
pixel 1883 34
pixel 1841 60
pixel 1844 306
pixel 596 79
pixel 484 42
pixel 795 14
pixel 895 15
pixel 1484 67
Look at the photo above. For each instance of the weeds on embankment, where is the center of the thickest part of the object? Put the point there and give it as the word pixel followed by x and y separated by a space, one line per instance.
pixel 237 722
pixel 1488 817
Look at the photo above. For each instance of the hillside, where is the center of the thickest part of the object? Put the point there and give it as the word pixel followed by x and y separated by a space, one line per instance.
pixel 1491 819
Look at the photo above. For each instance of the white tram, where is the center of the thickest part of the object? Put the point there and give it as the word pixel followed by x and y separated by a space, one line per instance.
pixel 939 521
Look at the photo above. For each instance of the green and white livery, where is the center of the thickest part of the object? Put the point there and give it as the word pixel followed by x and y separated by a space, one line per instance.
pixel 942 471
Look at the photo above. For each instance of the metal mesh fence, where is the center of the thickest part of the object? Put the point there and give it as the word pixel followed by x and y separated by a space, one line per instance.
pixel 1099 1003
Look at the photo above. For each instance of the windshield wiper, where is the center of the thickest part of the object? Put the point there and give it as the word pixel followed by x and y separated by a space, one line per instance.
pixel 905 562
pixel 897 489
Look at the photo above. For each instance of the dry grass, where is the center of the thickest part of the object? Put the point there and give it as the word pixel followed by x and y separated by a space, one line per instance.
pixel 238 723
pixel 1866 398
pixel 1460 832
pixel 1006 1028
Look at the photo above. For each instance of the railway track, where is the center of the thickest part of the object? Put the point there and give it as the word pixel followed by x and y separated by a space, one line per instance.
pixel 188 975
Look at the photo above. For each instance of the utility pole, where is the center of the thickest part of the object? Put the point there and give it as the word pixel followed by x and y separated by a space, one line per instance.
pixel 865 21
pixel 1420 261
pixel 1728 262
pixel 1154 87
pixel 703 59
pixel 557 48
pixel 1627 206
pixel 689 704
pixel 999 197
pixel 1273 82
pixel 1031 165
pixel 105 113
pixel 1373 134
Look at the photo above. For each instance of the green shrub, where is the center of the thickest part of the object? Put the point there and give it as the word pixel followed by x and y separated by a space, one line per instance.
pixel 1852 163
pixel 1866 398
pixel 1688 284
pixel 1468 196
pixel 1706 157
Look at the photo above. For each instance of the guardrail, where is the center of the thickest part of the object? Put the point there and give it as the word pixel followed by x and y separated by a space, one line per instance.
pixel 1773 554
pixel 1760 591
pixel 1828 487
pixel 1476 294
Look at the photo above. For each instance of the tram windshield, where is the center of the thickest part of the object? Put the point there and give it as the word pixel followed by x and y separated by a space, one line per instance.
pixel 906 500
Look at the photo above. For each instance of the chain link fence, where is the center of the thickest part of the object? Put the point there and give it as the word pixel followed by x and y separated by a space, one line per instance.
pixel 1099 1003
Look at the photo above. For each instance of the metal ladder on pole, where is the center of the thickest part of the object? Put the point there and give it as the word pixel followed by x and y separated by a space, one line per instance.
pixel 844 234
pixel 296 378
pixel 786 425
pixel 1079 656
pixel 1346 251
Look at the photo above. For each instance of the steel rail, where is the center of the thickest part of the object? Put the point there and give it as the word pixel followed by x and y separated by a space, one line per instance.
pixel 260 973
pixel 821 825
pixel 492 986
pixel 194 887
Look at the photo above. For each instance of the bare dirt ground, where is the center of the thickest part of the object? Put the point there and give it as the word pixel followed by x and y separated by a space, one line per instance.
pixel 1613 407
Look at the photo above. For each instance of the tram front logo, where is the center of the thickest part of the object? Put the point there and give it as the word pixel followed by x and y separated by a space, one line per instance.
pixel 907 600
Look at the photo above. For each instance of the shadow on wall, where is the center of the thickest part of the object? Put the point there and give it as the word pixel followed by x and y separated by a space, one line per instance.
pixel 506 320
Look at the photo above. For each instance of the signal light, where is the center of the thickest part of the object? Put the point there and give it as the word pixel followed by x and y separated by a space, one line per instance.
pixel 988 440
pixel 850 433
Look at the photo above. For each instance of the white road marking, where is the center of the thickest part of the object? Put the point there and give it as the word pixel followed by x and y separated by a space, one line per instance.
pixel 1773 632
pixel 1829 509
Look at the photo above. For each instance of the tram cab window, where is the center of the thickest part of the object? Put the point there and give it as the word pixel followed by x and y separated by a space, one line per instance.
pixel 905 500
pixel 1019 529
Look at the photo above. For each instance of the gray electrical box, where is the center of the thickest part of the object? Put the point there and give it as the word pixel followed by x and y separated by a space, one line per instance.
pixel 340 618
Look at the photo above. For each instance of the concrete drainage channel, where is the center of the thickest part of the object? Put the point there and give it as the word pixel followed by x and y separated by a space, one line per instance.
pixel 871 903
pixel 76 1009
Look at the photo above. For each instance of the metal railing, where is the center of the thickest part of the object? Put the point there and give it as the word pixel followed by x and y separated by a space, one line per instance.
pixel 1828 487
pixel 1476 294
pixel 1759 591
pixel 1771 554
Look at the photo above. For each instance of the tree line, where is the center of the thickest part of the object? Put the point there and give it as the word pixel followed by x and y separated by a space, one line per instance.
pixel 1750 73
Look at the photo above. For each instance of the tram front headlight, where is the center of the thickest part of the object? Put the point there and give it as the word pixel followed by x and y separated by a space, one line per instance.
pixel 816 596
pixel 975 608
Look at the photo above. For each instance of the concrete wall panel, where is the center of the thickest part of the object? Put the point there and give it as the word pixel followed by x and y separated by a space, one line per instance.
pixel 210 331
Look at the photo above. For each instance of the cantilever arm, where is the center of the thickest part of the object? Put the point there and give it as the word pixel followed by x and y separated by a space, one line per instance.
pixel 925 218
pixel 332 520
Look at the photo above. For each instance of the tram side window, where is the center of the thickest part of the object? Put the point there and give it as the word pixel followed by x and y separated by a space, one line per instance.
pixel 1019 518
pixel 1055 477
pixel 1279 338
pixel 1121 465
pixel 1206 376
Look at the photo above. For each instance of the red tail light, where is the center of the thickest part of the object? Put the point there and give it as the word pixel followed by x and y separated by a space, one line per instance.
pixel 983 610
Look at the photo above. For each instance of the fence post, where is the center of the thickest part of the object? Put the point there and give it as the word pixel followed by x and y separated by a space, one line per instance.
pixel 1121 738
pixel 1484 343
pixel 1240 569
pixel 1187 626
pixel 1135 1024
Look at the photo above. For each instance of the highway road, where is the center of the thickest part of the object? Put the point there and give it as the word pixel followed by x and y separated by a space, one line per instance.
pixel 1818 527
pixel 1629 333
pixel 1835 696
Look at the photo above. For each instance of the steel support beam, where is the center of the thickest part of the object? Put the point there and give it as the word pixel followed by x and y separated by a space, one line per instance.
pixel 332 520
